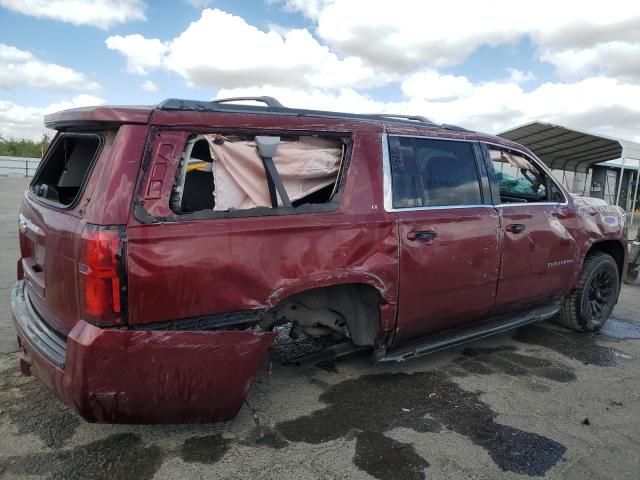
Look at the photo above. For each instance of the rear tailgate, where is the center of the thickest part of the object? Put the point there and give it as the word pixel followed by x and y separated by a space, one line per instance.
pixel 49 245
pixel 54 213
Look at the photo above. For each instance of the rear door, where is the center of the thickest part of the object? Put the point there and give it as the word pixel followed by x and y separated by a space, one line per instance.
pixel 448 234
pixel 539 247
pixel 200 257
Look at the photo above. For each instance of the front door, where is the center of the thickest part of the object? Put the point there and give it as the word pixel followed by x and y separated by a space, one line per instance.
pixel 448 235
pixel 538 233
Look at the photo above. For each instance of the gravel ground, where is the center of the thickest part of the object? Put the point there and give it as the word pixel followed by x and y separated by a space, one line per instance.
pixel 539 401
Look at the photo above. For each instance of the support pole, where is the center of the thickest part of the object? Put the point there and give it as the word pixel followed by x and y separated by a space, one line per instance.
pixel 635 195
pixel 620 182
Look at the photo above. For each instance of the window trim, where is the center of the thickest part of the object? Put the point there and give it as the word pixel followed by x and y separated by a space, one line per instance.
pixel 85 180
pixel 387 186
pixel 532 158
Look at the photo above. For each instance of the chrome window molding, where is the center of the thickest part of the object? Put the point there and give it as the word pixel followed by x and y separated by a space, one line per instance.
pixel 386 179
pixel 439 207
pixel 432 137
pixel 530 204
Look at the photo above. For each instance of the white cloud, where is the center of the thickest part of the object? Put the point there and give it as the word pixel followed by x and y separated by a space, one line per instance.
pixel 520 77
pixel 411 35
pixel 359 44
pixel 149 86
pixel 97 13
pixel 143 54
pixel 221 49
pixel 309 8
pixel 22 121
pixel 599 104
pixel 19 67
pixel 615 59
pixel 430 85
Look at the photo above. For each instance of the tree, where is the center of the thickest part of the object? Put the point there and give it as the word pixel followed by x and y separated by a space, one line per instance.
pixel 23 147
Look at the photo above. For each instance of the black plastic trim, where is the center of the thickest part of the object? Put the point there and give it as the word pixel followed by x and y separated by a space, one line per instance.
pixel 38 333
pixel 440 341
pixel 206 322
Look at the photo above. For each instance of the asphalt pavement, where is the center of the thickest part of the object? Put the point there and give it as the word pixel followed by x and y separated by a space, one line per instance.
pixel 539 401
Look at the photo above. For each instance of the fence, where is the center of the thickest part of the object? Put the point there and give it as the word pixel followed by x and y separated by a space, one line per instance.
pixel 18 166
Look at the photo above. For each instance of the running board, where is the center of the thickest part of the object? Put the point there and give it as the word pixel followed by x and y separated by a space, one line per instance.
pixel 451 338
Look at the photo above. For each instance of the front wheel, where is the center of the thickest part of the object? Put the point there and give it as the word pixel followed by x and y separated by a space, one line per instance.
pixel 588 307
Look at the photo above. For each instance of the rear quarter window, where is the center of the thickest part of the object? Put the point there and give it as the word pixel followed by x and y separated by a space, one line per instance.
pixel 66 168
pixel 227 173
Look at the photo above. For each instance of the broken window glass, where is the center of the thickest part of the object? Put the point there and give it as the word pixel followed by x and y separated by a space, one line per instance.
pixel 226 172
pixel 65 169
pixel 520 180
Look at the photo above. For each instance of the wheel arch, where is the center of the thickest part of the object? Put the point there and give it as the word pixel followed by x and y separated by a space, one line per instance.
pixel 362 303
pixel 615 248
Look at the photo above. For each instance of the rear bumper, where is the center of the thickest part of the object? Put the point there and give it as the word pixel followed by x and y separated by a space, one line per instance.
pixel 125 376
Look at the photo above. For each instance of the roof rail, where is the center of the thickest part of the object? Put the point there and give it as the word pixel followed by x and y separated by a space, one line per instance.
pixel 268 101
pixel 274 107
pixel 415 118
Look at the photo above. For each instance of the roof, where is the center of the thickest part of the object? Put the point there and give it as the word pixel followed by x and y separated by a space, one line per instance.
pixel 142 114
pixel 101 114
pixel 565 148
pixel 274 107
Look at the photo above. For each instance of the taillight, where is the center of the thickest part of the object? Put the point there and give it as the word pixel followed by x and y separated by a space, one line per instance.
pixel 101 270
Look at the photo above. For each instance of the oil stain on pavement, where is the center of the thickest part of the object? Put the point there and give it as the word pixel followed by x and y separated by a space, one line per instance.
pixel 207 449
pixel 583 347
pixel 122 456
pixel 505 359
pixel 380 456
pixel 426 402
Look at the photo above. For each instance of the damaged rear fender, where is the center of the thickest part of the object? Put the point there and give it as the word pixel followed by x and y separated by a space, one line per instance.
pixel 171 376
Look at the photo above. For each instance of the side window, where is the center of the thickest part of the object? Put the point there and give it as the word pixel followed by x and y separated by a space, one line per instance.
pixel 520 181
pixel 228 172
pixel 66 168
pixel 429 173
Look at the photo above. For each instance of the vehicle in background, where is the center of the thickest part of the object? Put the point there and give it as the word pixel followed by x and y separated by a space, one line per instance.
pixel 163 248
pixel 633 267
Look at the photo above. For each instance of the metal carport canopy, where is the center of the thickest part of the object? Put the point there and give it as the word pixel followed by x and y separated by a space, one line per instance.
pixel 565 148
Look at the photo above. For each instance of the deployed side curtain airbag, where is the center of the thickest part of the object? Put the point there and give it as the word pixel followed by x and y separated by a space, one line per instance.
pixel 304 166
pixel 514 159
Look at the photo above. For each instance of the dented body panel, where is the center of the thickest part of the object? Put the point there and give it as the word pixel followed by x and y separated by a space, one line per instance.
pixel 125 376
pixel 262 258
pixel 195 287
pixel 538 265
pixel 462 262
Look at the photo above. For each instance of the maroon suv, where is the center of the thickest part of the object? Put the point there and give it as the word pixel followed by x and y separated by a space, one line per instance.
pixel 164 248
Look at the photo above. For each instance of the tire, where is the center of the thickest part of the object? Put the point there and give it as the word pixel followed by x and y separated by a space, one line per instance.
pixel 587 308
pixel 631 276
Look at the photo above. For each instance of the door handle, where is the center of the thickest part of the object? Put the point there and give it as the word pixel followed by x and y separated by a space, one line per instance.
pixel 422 236
pixel 516 228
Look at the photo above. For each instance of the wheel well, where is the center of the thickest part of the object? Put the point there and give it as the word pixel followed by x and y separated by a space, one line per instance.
pixel 611 247
pixel 359 304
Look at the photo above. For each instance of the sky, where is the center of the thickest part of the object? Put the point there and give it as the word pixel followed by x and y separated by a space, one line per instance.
pixel 488 66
